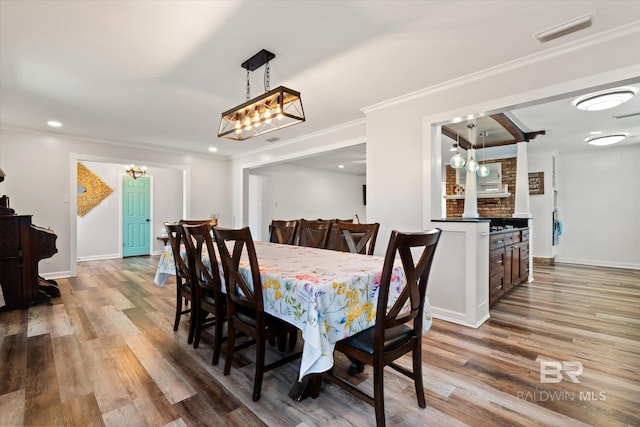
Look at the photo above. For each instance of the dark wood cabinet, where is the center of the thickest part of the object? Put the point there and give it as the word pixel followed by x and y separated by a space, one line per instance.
pixel 508 261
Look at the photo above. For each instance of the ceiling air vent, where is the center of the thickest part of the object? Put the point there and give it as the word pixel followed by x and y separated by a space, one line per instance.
pixel 273 139
pixel 624 116
pixel 564 29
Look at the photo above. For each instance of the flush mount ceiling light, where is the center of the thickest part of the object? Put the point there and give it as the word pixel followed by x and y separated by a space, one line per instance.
pixel 136 172
pixel 606 139
pixel 604 100
pixel 54 123
pixel 275 109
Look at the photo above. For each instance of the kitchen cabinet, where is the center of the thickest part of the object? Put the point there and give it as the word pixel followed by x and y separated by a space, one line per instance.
pixel 508 261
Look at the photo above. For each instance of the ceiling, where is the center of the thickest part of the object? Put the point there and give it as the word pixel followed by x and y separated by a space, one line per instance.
pixel 160 73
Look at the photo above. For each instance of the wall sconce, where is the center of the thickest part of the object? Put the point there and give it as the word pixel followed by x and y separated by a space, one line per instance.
pixel 136 172
pixel 275 109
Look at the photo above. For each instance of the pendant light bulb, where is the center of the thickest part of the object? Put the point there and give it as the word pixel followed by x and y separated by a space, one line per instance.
pixel 457 161
pixel 483 171
pixel 472 166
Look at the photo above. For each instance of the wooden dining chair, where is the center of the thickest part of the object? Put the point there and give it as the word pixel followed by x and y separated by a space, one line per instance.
pixel 245 305
pixel 333 232
pixel 355 238
pixel 391 337
pixel 282 231
pixel 312 233
pixel 184 277
pixel 209 303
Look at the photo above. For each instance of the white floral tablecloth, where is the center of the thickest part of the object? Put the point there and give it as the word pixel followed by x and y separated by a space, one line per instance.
pixel 328 295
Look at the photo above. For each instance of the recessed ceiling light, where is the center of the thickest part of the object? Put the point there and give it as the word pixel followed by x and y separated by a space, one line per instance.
pixel 606 139
pixel 604 100
pixel 54 123
pixel 213 149
pixel 341 166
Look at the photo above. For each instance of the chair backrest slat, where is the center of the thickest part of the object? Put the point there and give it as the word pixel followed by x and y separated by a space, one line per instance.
pixel 282 231
pixel 198 241
pixel 238 289
pixel 410 304
pixel 312 234
pixel 356 238
pixel 176 236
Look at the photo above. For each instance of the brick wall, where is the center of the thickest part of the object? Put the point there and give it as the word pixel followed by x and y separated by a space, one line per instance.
pixel 488 208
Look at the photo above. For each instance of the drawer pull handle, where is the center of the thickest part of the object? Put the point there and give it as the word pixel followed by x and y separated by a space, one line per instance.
pixel 499 262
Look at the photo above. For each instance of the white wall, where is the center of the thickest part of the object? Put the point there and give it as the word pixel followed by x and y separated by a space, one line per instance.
pixel 290 192
pixel 346 135
pixel 542 206
pixel 99 231
pixel 599 206
pixel 41 181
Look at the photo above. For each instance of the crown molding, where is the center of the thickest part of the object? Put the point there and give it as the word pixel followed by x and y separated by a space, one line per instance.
pixel 299 139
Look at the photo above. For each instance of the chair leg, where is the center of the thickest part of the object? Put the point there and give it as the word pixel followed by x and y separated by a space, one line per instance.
pixel 176 323
pixel 282 341
pixel 417 376
pixel 257 380
pixel 378 394
pixel 200 318
pixel 193 321
pixel 231 342
pixel 293 339
pixel 217 338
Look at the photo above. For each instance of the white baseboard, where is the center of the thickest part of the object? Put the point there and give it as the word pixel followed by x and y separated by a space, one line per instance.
pixel 56 275
pixel 455 317
pixel 98 257
pixel 597 263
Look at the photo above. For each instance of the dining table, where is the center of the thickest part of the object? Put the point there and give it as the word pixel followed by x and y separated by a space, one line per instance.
pixel 328 295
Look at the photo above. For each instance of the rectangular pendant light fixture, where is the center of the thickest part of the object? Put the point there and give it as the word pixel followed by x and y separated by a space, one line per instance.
pixel 275 109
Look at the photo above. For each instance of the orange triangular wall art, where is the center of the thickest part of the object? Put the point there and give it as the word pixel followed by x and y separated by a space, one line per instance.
pixel 91 190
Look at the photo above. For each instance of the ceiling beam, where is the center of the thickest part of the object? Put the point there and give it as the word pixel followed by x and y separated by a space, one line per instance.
pixel 507 124
pixel 514 130
pixel 462 141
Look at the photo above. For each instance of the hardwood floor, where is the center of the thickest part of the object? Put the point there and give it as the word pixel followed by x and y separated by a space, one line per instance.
pixel 105 354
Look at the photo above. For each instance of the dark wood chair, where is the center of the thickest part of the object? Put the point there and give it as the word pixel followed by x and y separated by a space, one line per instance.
pixel 355 238
pixel 312 234
pixel 333 232
pixel 184 277
pixel 245 305
pixel 282 231
pixel 391 337
pixel 209 303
